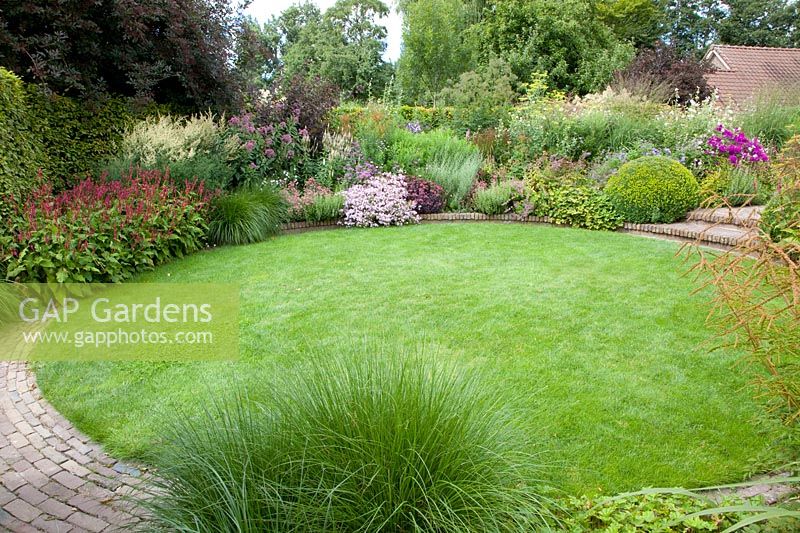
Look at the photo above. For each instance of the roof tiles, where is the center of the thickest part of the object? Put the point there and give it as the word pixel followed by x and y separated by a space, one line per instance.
pixel 751 69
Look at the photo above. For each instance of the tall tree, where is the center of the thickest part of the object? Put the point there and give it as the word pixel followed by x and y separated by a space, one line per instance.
pixel 565 39
pixel 761 23
pixel 692 25
pixel 637 21
pixel 435 52
pixel 344 45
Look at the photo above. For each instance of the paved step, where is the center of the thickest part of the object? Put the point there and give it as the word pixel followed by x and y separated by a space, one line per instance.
pixel 738 216
pixel 721 235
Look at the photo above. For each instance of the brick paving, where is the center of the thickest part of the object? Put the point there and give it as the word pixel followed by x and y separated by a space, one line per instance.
pixel 54 479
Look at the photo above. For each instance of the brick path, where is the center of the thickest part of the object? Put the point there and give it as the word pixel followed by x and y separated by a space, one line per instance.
pixel 54 478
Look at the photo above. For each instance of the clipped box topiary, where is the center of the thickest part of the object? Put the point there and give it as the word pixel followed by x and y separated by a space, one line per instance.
pixel 653 189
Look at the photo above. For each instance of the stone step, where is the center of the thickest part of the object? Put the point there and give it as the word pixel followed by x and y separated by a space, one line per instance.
pixel 748 217
pixel 725 235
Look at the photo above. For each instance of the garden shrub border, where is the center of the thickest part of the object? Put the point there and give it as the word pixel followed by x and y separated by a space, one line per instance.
pixel 663 230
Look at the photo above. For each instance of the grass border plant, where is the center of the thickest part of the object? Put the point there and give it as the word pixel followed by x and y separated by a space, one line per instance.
pixel 352 443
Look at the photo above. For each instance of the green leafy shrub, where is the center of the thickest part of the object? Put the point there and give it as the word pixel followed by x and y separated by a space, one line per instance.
pixel 456 174
pixel 195 147
pixel 246 216
pixel 653 189
pixel 780 219
pixel 582 207
pixel 103 231
pixel 346 444
pixel 497 199
pixel 22 153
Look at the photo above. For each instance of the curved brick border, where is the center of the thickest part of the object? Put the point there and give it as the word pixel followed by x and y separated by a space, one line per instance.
pixel 714 233
pixel 53 477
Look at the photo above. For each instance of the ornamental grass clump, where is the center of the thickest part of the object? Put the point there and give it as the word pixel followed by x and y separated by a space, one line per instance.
pixel 653 190
pixel 246 216
pixel 456 174
pixel 381 200
pixel 352 445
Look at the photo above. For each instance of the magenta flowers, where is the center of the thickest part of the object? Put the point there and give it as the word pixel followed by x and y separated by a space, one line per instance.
pixel 736 147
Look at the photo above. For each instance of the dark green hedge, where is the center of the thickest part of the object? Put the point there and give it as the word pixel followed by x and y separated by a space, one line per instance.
pixel 76 136
pixel 22 151
pixel 60 136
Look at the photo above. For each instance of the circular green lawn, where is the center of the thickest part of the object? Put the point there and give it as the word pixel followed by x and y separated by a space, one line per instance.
pixel 595 338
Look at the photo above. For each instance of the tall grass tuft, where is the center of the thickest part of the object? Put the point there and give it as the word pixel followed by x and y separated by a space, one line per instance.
pixel 246 216
pixel 773 115
pixel 348 444
pixel 456 174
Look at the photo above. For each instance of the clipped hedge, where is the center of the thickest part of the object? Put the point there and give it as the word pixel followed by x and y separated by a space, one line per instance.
pixel 59 136
pixel 428 117
pixel 22 152
pixel 653 190
pixel 77 136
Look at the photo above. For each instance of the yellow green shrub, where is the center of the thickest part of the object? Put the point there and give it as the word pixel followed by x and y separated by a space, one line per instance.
pixel 653 189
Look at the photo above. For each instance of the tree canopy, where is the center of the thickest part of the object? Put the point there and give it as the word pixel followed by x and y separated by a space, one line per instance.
pixel 345 44
pixel 175 51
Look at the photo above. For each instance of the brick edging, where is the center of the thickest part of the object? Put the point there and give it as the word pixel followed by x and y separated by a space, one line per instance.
pixel 657 230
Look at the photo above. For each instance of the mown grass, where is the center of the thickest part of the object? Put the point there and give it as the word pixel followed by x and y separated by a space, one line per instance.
pixel 594 338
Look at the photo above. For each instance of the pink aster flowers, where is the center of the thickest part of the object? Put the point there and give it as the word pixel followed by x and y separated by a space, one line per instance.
pixel 381 200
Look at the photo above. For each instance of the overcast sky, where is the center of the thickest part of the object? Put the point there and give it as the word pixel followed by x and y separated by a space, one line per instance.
pixel 263 10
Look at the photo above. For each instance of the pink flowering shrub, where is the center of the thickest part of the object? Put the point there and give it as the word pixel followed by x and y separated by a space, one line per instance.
pixel 381 200
pixel 268 150
pixel 736 147
pixel 103 231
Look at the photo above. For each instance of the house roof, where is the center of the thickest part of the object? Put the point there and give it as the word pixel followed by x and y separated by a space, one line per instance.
pixel 742 71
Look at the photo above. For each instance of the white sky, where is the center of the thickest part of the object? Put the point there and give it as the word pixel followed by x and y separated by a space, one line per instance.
pixel 263 10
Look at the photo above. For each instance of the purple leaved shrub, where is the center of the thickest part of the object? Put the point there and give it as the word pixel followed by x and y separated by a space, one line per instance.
pixel 380 200
pixel 428 197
